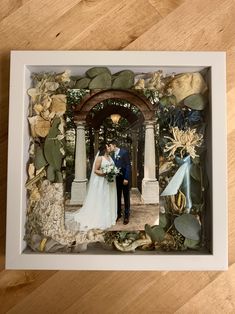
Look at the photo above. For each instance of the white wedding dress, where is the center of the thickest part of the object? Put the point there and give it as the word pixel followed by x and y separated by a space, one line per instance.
pixel 99 209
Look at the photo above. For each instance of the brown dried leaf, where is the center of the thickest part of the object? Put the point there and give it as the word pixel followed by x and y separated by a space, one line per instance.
pixel 46 115
pixel 46 102
pixel 32 122
pixel 31 170
pixel 41 126
pixel 38 108
pixel 58 104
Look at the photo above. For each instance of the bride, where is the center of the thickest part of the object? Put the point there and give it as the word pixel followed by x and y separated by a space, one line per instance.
pixel 99 209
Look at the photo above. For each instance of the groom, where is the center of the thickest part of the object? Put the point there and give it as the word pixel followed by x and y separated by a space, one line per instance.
pixel 122 161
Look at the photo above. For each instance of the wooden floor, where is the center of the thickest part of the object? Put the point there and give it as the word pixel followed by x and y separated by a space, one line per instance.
pixel 116 25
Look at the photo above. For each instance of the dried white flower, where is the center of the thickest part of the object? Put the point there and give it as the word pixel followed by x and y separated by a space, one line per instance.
pixel 185 141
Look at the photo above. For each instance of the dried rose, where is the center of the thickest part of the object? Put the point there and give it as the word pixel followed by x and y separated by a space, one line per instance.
pixel 187 84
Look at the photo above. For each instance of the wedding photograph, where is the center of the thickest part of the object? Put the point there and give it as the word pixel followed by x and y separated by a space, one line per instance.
pixel 111 162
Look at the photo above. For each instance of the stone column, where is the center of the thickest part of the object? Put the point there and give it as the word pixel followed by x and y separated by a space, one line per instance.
pixel 96 141
pixel 150 187
pixel 135 193
pixel 134 158
pixel 78 191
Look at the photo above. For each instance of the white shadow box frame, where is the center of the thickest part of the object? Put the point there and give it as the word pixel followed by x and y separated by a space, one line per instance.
pixel 23 63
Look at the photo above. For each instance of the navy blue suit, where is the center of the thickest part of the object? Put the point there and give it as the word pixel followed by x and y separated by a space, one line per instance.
pixel 122 161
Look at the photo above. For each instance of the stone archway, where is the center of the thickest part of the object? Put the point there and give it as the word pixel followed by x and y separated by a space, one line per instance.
pixel 131 96
pixel 150 190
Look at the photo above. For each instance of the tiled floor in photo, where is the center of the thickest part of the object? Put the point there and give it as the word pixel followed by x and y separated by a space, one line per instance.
pixel 139 216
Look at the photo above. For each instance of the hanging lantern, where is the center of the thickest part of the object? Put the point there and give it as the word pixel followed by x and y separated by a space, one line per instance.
pixel 115 118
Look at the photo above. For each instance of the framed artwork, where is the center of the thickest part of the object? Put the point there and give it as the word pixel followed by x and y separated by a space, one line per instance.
pixel 116 161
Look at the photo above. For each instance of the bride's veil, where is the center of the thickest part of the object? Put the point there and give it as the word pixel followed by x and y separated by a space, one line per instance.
pixel 92 176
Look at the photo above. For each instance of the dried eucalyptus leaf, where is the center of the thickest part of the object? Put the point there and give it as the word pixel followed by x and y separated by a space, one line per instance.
pixel 82 83
pixel 123 82
pixel 196 101
pixel 123 73
pixel 156 233
pixel 51 173
pixel 195 172
pixel 53 154
pixel 196 193
pixel 188 226
pixel 75 77
pixel 71 84
pixel 162 220
pixel 125 79
pixel 191 244
pixel 52 147
pixel 102 80
pixel 168 101
pixel 54 131
pixel 59 177
pixel 93 72
pixel 39 160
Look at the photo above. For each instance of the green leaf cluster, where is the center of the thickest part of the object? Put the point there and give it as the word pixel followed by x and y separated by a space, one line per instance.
pixel 101 78
pixel 49 154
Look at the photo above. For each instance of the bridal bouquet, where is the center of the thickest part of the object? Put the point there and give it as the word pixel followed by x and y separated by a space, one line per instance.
pixel 110 172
